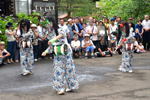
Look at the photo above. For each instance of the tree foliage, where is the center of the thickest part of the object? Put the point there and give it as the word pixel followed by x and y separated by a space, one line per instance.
pixel 124 8
pixel 22 15
pixel 77 7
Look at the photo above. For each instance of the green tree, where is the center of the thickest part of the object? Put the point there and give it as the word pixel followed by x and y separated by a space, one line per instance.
pixel 124 8
pixel 77 7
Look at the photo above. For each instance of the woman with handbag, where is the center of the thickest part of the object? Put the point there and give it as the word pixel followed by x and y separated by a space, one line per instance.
pixel 26 48
pixel 63 64
pixel 17 47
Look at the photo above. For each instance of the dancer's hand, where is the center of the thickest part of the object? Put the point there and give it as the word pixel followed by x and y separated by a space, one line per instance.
pixel 44 54
pixel 49 43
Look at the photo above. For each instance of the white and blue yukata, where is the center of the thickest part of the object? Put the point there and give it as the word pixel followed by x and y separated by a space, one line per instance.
pixel 63 66
pixel 127 55
pixel 26 54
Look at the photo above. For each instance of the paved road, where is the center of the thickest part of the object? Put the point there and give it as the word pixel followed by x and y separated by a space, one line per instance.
pixel 98 78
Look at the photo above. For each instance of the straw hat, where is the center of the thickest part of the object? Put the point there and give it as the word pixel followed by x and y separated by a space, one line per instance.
pixel 2 43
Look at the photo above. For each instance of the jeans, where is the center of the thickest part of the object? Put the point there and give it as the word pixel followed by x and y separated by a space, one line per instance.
pixel 77 51
pixel 17 52
pixel 11 49
pixel 35 51
pixel 41 48
pixel 89 48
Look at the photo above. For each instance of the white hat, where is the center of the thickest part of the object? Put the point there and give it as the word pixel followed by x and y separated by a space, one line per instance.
pixel 87 35
pixel 69 20
pixel 34 25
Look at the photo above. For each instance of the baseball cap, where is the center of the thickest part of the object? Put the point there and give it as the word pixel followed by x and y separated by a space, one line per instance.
pixel 130 18
pixel 112 19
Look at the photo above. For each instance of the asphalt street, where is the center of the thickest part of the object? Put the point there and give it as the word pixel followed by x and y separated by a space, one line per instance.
pixel 99 79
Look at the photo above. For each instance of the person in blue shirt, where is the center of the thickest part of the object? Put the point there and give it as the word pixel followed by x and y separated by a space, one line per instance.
pixel 139 30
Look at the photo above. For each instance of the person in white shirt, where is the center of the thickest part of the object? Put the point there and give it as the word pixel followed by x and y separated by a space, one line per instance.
pixel 146 34
pixel 0 32
pixel 75 44
pixel 88 46
pixel 65 28
pixel 92 30
pixel 112 35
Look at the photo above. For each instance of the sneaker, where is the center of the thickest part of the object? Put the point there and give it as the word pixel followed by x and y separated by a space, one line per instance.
pixel 26 73
pixel 86 57
pixel 61 92
pixel 92 56
pixel 114 52
pixel 130 71
pixel 68 90
pixel 95 53
pixel 144 51
pixel 35 60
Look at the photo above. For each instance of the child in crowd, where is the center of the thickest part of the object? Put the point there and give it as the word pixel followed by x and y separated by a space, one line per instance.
pixel 136 45
pixel 3 53
pixel 88 46
pixel 75 44
pixel 141 47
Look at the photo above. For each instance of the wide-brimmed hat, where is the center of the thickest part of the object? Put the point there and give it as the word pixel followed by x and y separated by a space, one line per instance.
pixel 9 24
pixel 2 43
pixel 33 26
pixel 87 35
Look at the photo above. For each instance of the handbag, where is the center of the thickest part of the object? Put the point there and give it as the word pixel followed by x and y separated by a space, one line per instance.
pixel 17 45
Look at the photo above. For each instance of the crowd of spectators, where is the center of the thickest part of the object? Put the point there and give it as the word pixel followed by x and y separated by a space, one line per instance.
pixel 92 38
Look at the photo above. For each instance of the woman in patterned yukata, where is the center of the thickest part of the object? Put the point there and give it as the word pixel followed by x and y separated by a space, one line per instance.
pixel 127 54
pixel 51 34
pixel 63 65
pixel 26 48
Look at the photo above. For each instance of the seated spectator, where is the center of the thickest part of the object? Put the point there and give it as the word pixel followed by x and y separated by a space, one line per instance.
pixel 75 44
pixel 141 47
pixel 81 20
pixel 136 45
pixel 103 49
pixel 3 53
pixel 88 46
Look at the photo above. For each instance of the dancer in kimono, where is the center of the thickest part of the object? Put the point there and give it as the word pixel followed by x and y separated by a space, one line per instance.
pixel 127 44
pixel 26 48
pixel 63 65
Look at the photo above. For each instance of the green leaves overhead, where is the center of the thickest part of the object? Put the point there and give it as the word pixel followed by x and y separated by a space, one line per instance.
pixel 77 7
pixel 125 8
